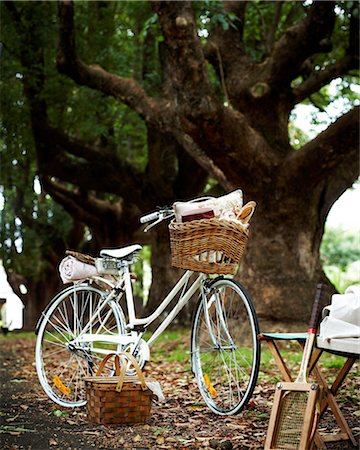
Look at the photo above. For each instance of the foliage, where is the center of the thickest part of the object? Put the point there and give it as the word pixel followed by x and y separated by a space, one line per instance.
pixel 342 279
pixel 142 270
pixel 340 254
pixel 340 247
pixel 32 221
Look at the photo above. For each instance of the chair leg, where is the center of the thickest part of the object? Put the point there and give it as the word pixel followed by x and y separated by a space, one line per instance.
pixel 329 400
pixel 285 372
pixel 319 441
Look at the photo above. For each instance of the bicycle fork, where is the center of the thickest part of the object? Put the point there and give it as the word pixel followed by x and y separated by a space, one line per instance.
pixel 210 297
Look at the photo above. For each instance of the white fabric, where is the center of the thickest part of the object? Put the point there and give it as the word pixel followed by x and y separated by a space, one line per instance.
pixel 219 205
pixel 331 328
pixel 155 388
pixel 71 269
pixel 187 208
pixel 348 345
pixel 229 201
pixel 341 319
pixel 3 316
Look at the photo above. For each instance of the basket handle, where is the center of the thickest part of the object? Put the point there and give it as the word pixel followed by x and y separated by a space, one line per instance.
pixel 105 360
pixel 127 356
pixel 246 212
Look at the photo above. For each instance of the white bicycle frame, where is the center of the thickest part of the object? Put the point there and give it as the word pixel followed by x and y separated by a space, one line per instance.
pixel 134 338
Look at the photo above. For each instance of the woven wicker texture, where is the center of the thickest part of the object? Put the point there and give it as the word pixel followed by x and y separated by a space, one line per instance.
pixel 121 399
pixel 107 406
pixel 208 246
pixel 87 259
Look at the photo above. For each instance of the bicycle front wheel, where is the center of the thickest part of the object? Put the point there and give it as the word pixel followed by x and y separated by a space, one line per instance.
pixel 61 360
pixel 224 346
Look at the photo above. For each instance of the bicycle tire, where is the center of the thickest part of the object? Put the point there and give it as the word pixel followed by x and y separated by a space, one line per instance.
pixel 60 366
pixel 225 360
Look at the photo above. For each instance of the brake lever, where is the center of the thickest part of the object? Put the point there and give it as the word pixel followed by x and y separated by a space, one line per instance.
pixel 146 229
pixel 162 217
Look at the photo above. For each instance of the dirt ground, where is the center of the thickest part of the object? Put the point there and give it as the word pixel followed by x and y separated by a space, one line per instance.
pixel 29 420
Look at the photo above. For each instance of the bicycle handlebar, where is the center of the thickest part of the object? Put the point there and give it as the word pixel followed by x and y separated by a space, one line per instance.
pixel 157 217
pixel 150 217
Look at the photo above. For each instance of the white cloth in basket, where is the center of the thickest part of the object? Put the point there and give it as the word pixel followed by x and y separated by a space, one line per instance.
pixel 217 205
pixel 340 326
pixel 71 269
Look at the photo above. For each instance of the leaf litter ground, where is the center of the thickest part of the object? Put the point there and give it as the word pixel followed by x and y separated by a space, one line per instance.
pixel 29 420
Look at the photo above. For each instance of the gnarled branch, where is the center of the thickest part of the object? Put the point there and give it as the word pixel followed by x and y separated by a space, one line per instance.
pixel 334 150
pixel 323 77
pixel 299 42
pixel 84 207
pixel 126 90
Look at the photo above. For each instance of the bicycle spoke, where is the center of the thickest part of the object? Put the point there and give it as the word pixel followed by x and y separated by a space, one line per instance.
pixel 222 340
pixel 61 359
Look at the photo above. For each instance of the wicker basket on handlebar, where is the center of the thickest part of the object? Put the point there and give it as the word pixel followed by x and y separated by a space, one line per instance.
pixel 208 246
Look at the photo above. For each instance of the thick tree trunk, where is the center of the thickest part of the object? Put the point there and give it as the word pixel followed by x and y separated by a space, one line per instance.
pixel 281 266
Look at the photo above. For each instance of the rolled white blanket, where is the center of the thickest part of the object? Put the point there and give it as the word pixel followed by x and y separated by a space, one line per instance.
pixel 71 269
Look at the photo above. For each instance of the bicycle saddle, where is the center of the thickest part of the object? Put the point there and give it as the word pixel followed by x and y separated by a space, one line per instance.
pixel 121 253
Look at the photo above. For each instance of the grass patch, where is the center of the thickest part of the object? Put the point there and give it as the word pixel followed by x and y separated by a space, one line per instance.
pixel 13 335
pixel 171 346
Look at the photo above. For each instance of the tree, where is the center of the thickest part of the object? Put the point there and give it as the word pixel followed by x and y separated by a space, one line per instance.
pixel 241 137
pixel 61 125
pixel 228 74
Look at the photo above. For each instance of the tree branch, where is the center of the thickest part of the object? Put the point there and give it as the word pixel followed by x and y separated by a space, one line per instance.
pixel 85 208
pixel 79 147
pixel 231 39
pixel 270 38
pixel 332 151
pixel 92 170
pixel 323 77
pixel 349 61
pixel 95 77
pixel 184 66
pixel 202 159
pixel 299 42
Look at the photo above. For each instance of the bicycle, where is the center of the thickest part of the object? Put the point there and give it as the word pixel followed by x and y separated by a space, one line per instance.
pixel 86 321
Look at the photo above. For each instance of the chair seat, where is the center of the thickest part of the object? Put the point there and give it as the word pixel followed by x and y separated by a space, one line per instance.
pixel 285 336
pixel 347 347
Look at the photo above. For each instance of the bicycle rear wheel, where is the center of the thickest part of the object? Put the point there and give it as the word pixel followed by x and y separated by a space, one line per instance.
pixel 61 363
pixel 225 351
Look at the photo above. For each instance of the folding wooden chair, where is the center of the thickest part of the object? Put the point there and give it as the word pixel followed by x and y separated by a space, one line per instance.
pixel 273 340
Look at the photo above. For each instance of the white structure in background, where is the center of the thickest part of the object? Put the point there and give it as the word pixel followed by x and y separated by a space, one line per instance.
pixel 14 306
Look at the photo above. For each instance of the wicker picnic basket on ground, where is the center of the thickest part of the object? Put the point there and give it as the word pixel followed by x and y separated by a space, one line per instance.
pixel 118 400
pixel 208 245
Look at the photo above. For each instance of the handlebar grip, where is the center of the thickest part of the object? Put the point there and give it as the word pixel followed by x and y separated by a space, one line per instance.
pixel 149 217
